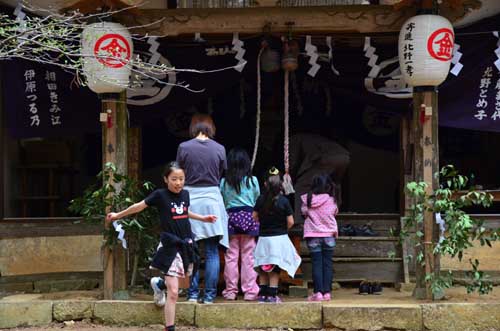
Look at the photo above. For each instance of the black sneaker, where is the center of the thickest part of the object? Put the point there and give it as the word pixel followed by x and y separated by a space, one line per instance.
pixel 347 231
pixel 365 231
pixel 376 288
pixel 364 288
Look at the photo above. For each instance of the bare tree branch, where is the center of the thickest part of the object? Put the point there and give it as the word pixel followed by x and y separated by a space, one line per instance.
pixel 54 39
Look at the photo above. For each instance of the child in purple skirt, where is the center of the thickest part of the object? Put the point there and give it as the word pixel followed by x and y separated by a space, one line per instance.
pixel 240 191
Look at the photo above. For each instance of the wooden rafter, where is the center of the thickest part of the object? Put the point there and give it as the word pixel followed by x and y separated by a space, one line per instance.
pixel 332 19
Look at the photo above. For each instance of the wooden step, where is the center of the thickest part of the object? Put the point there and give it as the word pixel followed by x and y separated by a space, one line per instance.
pixel 376 247
pixel 380 223
pixel 385 270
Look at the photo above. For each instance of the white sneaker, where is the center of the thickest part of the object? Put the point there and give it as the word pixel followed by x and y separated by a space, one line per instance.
pixel 159 294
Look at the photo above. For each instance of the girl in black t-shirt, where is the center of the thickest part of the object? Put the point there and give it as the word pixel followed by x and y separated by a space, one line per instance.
pixel 274 250
pixel 175 254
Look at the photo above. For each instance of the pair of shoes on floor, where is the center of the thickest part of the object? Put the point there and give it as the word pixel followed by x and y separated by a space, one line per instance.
pixel 318 296
pixel 366 288
pixel 158 293
pixel 275 299
pixel 266 299
pixel 196 300
pixel 361 231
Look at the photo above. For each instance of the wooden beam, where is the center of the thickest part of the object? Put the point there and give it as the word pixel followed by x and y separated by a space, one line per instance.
pixel 318 19
pixel 342 19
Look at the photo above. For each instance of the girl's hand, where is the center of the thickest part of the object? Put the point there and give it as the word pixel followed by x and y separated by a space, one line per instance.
pixel 111 217
pixel 209 218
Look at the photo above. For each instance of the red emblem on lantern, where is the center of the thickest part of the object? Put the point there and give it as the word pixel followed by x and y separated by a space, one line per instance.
pixel 440 44
pixel 112 50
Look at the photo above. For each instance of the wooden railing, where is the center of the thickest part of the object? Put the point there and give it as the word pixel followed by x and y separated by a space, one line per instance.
pixel 264 3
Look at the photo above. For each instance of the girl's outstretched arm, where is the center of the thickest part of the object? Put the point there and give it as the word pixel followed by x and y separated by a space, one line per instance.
pixel 202 218
pixel 289 221
pixel 134 209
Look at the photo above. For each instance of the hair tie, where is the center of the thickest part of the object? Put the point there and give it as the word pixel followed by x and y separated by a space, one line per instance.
pixel 273 171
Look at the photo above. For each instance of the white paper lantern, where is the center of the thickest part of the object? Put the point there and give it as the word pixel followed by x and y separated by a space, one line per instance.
pixel 107 49
pixel 425 50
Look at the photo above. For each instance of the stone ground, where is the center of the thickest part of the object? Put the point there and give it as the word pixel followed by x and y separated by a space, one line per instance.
pixel 341 296
pixel 83 326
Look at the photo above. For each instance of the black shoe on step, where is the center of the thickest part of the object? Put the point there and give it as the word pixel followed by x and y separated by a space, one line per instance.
pixel 347 231
pixel 376 288
pixel 364 288
pixel 365 231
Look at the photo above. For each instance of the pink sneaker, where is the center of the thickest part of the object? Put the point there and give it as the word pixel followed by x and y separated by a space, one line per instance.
pixel 315 297
pixel 327 296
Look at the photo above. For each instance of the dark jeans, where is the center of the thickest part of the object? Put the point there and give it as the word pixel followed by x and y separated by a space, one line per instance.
pixel 321 250
pixel 211 271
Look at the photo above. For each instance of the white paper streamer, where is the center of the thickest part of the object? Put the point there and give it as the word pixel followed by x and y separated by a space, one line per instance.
pixel 20 15
pixel 240 52
pixel 155 55
pixel 312 52
pixel 198 38
pixel 457 55
pixel 442 226
pixel 121 233
pixel 330 55
pixel 370 54
pixel 497 50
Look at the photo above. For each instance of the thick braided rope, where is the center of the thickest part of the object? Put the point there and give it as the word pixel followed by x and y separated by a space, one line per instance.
pixel 287 180
pixel 286 138
pixel 257 120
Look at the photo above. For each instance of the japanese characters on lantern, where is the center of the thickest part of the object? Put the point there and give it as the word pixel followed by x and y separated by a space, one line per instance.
pixel 107 51
pixel 425 50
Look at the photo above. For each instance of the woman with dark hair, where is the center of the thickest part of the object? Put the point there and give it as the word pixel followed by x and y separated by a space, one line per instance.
pixel 204 161
pixel 240 191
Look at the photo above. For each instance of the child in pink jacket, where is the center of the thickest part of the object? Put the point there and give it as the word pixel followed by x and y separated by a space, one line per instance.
pixel 320 230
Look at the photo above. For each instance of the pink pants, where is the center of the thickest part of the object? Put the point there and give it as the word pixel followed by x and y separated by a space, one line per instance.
pixel 244 245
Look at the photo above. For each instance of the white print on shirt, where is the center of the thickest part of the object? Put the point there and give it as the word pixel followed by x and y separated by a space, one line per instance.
pixel 179 210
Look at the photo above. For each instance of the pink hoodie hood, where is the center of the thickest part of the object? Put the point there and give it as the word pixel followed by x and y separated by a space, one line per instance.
pixel 320 217
pixel 317 200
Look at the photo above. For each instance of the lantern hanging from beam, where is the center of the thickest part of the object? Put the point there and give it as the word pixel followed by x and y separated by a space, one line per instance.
pixel 107 49
pixel 425 50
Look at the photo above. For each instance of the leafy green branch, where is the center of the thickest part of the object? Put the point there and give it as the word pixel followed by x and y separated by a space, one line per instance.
pixel 449 201
pixel 116 192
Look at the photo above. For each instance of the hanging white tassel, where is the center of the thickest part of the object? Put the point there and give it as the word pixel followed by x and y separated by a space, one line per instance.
pixel 257 119
pixel 287 180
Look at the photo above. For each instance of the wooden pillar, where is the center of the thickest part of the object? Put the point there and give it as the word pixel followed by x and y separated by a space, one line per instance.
pixel 406 176
pixel 114 150
pixel 425 126
pixel 134 153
